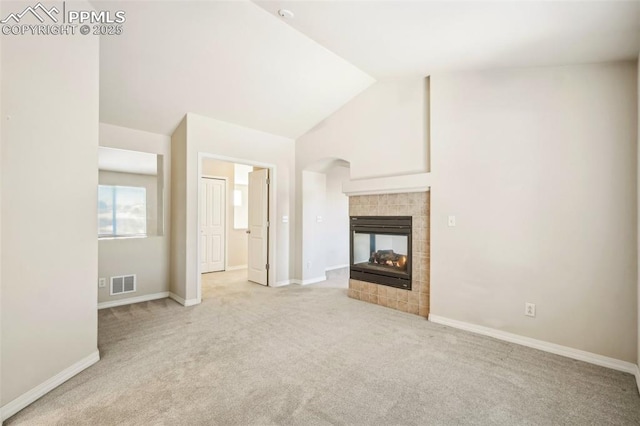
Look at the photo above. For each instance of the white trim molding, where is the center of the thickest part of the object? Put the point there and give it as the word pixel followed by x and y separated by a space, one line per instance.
pixel 310 280
pixel 34 394
pixel 300 282
pixel 236 268
pixel 334 267
pixel 638 377
pixel 192 302
pixel 313 280
pixel 601 360
pixel 183 302
pixel 132 300
pixel 418 182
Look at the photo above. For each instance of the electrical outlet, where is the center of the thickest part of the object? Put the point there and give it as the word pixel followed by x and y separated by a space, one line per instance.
pixel 308 265
pixel 530 309
pixel 102 282
pixel 452 221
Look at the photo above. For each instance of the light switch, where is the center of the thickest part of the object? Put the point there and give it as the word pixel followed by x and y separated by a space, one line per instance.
pixel 452 221
pixel 318 219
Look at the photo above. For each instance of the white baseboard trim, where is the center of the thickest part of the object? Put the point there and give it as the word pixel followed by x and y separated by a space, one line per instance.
pixel 638 377
pixel 299 282
pixel 192 302
pixel 131 300
pixel 601 360
pixel 333 268
pixel 177 298
pixel 314 280
pixel 236 268
pixel 27 398
pixel 310 280
pixel 183 302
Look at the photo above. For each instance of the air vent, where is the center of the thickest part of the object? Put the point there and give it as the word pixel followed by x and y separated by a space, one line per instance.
pixel 123 284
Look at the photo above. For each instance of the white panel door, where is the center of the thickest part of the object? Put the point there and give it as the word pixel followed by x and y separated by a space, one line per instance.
pixel 258 226
pixel 212 224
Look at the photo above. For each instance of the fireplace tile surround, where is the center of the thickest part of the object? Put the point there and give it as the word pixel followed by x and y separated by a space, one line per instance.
pixel 415 204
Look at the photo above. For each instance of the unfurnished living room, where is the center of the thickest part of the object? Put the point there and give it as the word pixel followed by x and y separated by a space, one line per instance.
pixel 319 212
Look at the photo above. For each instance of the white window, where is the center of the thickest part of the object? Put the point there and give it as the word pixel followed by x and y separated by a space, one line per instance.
pixel 122 211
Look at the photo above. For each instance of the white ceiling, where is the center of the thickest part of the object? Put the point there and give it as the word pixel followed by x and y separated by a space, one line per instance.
pixel 239 62
pixel 402 38
pixel 125 161
pixel 227 60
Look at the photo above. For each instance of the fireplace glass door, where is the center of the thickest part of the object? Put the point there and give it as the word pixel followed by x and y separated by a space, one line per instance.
pixel 381 250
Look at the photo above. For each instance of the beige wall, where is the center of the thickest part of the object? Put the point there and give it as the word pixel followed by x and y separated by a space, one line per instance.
pixel 380 132
pixel 49 218
pixel 337 218
pixel 236 238
pixel 148 258
pixel 314 254
pixel 325 244
pixel 179 210
pixel 198 134
pixel 211 136
pixel 539 167
pixel 1 149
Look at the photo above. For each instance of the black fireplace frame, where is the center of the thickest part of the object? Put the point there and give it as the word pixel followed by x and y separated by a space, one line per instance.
pixel 388 225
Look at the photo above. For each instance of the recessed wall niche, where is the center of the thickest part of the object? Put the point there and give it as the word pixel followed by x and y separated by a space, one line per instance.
pixel 130 194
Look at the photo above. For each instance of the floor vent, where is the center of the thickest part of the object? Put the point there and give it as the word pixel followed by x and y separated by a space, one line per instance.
pixel 123 284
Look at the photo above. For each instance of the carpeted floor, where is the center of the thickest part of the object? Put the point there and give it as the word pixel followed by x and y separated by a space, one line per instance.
pixel 309 356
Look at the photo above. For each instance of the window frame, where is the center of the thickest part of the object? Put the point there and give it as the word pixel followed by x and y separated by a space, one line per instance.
pixel 114 234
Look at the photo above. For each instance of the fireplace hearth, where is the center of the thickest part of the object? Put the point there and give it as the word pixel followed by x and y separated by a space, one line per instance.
pixel 381 250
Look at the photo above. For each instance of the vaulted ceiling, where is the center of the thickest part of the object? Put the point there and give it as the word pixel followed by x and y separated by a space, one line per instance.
pixel 240 62
pixel 400 38
pixel 231 61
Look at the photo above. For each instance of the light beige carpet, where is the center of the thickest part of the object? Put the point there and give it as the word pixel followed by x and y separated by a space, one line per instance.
pixel 251 355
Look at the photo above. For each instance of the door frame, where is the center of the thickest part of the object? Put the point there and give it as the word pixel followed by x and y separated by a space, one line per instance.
pixel 272 191
pixel 226 202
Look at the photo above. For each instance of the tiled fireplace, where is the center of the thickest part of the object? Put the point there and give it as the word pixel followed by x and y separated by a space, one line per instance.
pixel 413 205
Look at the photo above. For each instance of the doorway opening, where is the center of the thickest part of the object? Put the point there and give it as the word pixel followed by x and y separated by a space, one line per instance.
pixel 325 223
pixel 235 202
